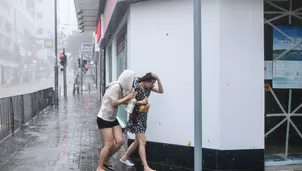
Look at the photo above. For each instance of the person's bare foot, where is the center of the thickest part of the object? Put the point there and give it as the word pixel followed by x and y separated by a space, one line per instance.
pixel 107 165
pixel 100 169
pixel 124 158
pixel 148 169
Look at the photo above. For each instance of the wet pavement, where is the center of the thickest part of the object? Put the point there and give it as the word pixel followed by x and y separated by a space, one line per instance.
pixel 284 168
pixel 62 139
pixel 67 139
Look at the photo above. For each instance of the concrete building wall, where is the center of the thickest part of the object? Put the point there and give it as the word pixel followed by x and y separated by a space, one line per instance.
pixel 232 54
pixel 160 38
pixel 6 25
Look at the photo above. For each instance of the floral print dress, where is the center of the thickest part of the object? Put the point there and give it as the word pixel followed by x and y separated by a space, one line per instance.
pixel 137 122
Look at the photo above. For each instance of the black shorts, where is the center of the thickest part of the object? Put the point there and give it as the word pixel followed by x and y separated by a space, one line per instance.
pixel 106 124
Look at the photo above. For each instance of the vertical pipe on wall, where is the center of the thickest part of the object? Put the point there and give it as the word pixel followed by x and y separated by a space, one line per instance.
pixel 197 87
pixel 101 72
pixel 104 71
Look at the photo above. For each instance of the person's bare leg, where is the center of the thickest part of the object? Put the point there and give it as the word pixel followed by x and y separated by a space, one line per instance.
pixel 142 151
pixel 118 141
pixel 130 149
pixel 108 145
pixel 108 158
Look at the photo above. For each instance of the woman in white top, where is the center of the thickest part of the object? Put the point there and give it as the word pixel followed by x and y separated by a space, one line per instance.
pixel 106 119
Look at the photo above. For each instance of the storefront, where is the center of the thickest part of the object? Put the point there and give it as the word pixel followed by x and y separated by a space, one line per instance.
pixel 121 65
pixel 242 119
pixel 283 82
pixel 137 38
pixel 140 39
pixel 116 57
pixel 9 72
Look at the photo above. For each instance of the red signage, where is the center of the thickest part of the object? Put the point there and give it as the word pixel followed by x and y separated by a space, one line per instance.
pixel 110 5
pixel 99 31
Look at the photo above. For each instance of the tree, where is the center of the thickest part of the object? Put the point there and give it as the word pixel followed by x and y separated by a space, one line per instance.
pixel 74 40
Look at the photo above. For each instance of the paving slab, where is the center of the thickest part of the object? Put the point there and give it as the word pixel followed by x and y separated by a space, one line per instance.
pixel 62 139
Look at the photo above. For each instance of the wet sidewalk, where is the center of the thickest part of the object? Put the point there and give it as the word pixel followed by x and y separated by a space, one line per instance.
pixel 67 139
pixel 62 139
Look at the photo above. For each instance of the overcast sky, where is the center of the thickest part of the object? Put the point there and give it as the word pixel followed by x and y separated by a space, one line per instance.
pixel 67 15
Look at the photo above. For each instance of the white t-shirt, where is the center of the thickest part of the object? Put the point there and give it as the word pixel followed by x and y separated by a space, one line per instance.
pixel 107 111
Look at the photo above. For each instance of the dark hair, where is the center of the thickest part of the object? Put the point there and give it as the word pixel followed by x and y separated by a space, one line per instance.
pixel 148 78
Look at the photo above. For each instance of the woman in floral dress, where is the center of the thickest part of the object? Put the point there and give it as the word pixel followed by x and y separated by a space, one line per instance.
pixel 137 123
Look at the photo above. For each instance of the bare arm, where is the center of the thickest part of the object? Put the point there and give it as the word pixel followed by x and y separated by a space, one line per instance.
pixel 120 101
pixel 123 100
pixel 160 88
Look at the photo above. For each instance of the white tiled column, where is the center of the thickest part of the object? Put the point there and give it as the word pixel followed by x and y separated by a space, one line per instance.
pixel 233 79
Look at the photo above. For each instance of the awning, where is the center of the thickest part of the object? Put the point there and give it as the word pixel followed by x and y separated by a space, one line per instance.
pixel 115 17
pixel 88 13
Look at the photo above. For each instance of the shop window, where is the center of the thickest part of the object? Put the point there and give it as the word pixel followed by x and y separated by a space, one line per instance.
pixel 110 63
pixel 40 31
pixel 39 15
pixel 121 65
pixel 283 81
pixel 121 50
pixel 8 26
pixel 1 22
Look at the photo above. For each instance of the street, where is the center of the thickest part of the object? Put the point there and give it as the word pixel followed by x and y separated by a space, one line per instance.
pixel 26 88
pixel 42 84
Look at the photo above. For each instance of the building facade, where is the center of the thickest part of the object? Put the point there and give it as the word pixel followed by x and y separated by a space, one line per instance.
pixel 6 42
pixel 250 77
pixel 17 40
pixel 45 36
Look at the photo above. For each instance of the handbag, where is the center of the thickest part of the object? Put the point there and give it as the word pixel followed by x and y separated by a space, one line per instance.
pixel 144 108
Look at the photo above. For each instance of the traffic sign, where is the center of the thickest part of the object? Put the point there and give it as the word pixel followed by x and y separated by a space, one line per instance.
pixel 86 47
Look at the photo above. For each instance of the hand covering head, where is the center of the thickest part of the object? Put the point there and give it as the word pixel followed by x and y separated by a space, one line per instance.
pixel 126 80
